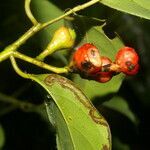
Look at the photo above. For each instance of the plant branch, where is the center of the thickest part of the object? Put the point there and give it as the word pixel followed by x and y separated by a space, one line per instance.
pixel 16 103
pixel 7 110
pixel 40 63
pixel 14 46
pixel 71 11
pixel 27 35
pixel 17 69
pixel 29 13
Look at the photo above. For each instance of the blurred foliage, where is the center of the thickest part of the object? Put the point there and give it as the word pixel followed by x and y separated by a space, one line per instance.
pixel 29 130
pixel 2 137
pixel 119 104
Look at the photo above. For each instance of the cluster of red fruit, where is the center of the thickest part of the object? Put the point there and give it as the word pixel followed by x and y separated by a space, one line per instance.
pixel 88 61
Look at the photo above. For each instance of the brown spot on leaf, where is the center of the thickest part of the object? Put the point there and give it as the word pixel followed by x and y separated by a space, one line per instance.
pixel 105 147
pixel 96 118
pixel 65 83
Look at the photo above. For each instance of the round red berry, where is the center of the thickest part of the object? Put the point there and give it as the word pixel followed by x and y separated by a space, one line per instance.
pixel 105 74
pixel 86 59
pixel 128 60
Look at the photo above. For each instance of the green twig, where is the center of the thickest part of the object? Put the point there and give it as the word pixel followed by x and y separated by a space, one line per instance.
pixel 71 11
pixel 29 13
pixel 7 52
pixel 17 69
pixel 7 110
pixel 16 103
pixel 40 63
pixel 14 46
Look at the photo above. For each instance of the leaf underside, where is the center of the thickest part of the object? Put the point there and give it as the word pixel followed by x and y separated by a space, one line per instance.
pixel 140 8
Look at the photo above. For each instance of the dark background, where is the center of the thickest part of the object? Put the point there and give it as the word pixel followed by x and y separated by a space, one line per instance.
pixel 28 130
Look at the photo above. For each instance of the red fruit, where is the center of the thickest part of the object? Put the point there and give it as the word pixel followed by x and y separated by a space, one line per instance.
pixel 105 74
pixel 106 63
pixel 127 59
pixel 86 59
pixel 104 77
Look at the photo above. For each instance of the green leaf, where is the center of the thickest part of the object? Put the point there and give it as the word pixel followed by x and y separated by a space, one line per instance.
pixel 143 3
pixel 78 124
pixel 108 47
pixel 2 138
pixel 139 8
pixel 118 145
pixel 119 104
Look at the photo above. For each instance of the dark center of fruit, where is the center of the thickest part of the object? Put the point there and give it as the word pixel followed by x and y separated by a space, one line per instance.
pixel 130 66
pixel 86 65
pixel 106 68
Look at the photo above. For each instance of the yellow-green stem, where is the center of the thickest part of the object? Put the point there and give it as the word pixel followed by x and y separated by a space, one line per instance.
pixel 40 63
pixel 71 11
pixel 45 52
pixel 14 46
pixel 17 69
pixel 27 35
pixel 29 13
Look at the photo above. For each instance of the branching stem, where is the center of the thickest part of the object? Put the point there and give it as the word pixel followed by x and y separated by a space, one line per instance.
pixel 11 50
pixel 17 69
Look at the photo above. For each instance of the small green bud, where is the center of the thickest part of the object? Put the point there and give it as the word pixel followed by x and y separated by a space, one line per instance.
pixel 63 38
